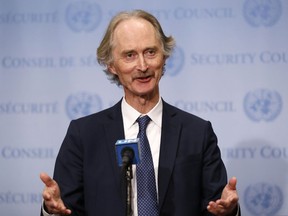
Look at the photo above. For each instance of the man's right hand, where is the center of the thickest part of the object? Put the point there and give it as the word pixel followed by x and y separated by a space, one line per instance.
pixel 51 195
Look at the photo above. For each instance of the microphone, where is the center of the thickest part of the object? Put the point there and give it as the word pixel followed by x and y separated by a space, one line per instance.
pixel 127 154
pixel 127 151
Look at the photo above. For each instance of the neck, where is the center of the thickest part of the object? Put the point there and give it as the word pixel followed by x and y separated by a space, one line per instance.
pixel 142 104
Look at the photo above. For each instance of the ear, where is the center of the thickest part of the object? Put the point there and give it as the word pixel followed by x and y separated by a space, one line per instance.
pixel 165 58
pixel 112 69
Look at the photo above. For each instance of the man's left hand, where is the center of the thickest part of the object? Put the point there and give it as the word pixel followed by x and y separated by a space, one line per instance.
pixel 228 203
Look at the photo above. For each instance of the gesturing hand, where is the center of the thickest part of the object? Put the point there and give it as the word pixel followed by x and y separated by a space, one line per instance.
pixel 51 195
pixel 227 205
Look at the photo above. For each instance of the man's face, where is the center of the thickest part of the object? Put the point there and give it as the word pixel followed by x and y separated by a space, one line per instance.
pixel 138 58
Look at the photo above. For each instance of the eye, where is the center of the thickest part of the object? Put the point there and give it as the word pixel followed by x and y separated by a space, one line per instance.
pixel 150 53
pixel 130 56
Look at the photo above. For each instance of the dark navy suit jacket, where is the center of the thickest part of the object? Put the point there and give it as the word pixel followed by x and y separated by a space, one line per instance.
pixel 191 172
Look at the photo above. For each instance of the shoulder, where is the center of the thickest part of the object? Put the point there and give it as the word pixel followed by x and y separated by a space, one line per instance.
pixel 112 113
pixel 181 115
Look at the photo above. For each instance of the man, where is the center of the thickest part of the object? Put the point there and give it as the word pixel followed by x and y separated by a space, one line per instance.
pixel 190 175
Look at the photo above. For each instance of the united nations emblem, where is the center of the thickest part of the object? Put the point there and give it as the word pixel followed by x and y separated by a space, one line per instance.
pixel 83 16
pixel 82 104
pixel 175 62
pixel 262 104
pixel 262 12
pixel 263 199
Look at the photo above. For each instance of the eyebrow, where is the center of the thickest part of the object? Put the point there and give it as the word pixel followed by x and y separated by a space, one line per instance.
pixel 127 51
pixel 132 50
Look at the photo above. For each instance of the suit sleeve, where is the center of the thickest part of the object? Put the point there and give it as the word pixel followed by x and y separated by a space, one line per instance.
pixel 214 176
pixel 68 172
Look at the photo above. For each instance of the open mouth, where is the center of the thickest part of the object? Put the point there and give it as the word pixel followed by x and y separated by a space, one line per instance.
pixel 144 79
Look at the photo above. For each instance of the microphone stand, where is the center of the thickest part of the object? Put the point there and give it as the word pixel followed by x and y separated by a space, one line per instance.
pixel 128 178
pixel 127 158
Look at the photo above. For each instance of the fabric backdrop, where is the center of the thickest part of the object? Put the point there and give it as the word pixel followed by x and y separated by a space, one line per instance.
pixel 229 67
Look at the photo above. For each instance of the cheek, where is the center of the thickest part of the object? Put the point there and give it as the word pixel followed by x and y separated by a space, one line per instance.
pixel 159 67
pixel 124 74
pixel 158 63
pixel 119 69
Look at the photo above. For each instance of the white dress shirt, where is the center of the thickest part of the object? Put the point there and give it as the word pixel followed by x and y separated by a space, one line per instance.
pixel 153 131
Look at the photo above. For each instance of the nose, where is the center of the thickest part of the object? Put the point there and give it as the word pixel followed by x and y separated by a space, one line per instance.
pixel 142 64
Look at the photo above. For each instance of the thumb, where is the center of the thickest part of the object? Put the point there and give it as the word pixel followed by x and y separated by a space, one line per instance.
pixel 47 180
pixel 232 183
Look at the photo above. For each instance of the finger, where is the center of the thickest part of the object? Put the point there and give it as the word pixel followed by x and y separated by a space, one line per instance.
pixel 47 180
pixel 223 203
pixel 46 195
pixel 66 212
pixel 211 204
pixel 227 204
pixel 56 207
pixel 214 208
pixel 211 207
pixel 59 209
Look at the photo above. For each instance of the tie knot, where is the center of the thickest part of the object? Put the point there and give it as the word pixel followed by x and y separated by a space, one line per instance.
pixel 143 122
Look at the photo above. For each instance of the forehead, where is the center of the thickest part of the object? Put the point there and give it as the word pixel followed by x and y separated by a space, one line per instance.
pixel 135 32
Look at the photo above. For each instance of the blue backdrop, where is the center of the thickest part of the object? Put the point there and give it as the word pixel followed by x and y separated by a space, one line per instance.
pixel 230 67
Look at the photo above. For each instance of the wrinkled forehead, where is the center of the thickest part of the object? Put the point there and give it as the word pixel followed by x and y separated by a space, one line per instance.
pixel 134 29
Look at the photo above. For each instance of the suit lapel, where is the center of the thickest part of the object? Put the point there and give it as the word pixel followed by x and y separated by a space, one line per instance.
pixel 114 131
pixel 168 149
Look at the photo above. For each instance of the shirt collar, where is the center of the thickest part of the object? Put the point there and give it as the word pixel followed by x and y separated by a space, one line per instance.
pixel 130 115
